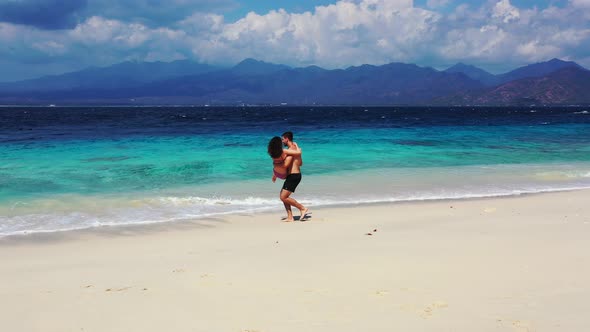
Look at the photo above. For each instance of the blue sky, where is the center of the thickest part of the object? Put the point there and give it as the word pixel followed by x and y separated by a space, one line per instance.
pixel 41 37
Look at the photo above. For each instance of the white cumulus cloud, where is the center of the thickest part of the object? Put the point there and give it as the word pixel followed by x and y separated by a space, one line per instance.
pixel 338 35
pixel 344 33
pixel 505 11
pixel 97 30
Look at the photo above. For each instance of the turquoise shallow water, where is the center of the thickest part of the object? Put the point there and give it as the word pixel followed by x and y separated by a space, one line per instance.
pixel 101 167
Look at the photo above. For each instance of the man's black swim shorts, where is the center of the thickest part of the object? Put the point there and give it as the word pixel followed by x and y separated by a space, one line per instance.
pixel 291 182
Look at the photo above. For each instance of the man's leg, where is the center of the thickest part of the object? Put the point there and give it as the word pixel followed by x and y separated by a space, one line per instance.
pixel 287 200
pixel 287 207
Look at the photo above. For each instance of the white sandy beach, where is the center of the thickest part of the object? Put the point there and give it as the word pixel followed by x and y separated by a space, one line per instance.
pixel 501 264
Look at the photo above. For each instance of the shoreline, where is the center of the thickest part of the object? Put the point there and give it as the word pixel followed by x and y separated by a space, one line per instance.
pixel 182 223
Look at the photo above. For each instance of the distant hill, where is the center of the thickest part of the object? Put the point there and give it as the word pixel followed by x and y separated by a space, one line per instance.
pixel 122 75
pixel 567 86
pixel 255 67
pixel 262 83
pixel 536 70
pixel 257 82
pixel 475 73
pixel 394 83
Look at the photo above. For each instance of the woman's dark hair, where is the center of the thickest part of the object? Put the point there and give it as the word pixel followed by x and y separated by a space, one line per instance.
pixel 275 147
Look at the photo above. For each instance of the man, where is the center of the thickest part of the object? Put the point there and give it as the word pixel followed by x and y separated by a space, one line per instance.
pixel 293 179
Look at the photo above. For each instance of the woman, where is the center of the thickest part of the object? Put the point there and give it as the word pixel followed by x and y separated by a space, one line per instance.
pixel 280 159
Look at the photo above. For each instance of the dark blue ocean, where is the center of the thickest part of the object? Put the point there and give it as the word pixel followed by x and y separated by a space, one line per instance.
pixel 81 167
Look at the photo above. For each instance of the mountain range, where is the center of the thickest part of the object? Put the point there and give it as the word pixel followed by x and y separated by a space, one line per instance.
pixel 254 82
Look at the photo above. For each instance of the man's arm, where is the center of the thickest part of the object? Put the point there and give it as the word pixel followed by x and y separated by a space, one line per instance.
pixel 293 153
pixel 288 161
pixel 296 151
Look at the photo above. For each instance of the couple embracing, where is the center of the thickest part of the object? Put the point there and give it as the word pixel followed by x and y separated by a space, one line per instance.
pixel 287 165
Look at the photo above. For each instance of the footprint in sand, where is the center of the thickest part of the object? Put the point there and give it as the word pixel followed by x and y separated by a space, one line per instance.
pixel 427 311
pixel 522 326
pixel 381 292
pixel 489 210
pixel 422 312
pixel 517 325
